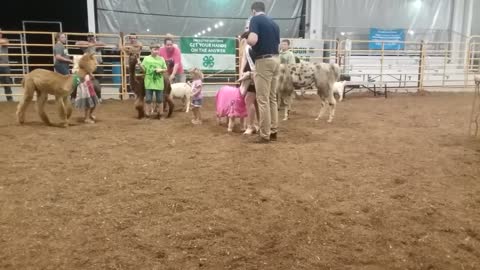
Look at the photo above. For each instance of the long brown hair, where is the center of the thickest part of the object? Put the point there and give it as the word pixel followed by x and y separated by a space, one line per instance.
pixel 57 36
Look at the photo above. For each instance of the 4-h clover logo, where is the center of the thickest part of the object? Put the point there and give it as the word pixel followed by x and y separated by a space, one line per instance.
pixel 208 61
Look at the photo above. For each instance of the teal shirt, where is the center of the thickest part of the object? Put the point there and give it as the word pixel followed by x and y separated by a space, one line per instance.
pixel 153 80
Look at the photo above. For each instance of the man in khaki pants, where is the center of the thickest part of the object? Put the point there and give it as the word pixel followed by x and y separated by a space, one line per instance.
pixel 264 38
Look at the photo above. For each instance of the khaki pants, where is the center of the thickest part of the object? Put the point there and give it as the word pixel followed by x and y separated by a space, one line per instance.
pixel 267 71
pixel 250 98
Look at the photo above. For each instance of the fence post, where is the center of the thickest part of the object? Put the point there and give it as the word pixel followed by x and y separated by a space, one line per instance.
pixel 337 55
pixel 466 61
pixel 382 61
pixel 53 46
pixel 24 52
pixel 445 57
pixel 238 59
pixel 123 72
pixel 421 62
pixel 341 54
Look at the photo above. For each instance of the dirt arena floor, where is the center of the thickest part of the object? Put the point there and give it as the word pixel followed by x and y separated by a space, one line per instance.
pixel 391 184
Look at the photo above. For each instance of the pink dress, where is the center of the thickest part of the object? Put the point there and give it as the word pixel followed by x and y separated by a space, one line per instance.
pixel 197 86
pixel 198 97
pixel 230 103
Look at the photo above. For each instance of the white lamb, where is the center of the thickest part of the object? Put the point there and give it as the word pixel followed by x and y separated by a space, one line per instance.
pixel 182 91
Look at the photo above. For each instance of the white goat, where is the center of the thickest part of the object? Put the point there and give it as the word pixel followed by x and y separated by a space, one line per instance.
pixel 182 91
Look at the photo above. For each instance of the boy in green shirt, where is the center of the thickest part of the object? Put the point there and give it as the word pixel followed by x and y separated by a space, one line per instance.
pixel 286 56
pixel 154 66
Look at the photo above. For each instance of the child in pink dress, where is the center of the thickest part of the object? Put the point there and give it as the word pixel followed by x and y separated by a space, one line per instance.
pixel 86 98
pixel 197 97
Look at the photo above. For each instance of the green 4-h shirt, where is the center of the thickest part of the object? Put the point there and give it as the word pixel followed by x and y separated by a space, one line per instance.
pixel 153 80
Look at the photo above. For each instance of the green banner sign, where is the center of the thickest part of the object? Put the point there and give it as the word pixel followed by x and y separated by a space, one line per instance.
pixel 208 54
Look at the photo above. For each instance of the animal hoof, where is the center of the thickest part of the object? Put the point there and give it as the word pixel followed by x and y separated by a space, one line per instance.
pixel 230 130
pixel 285 119
pixel 249 131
